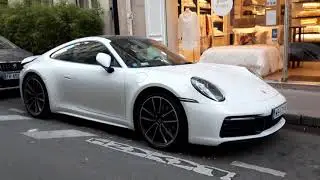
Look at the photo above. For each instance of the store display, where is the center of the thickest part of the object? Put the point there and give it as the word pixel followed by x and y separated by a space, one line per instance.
pixel 189 33
pixel 313 13
pixel 312 5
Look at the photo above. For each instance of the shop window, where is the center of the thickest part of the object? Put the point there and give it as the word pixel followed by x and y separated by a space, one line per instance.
pixel 304 53
pixel 238 32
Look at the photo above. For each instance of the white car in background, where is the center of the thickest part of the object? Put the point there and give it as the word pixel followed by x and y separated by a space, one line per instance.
pixel 137 83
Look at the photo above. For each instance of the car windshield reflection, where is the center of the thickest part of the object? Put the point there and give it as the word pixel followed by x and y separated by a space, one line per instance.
pixel 139 53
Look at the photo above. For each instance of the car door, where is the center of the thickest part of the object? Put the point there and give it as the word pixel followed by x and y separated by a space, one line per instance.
pixel 88 88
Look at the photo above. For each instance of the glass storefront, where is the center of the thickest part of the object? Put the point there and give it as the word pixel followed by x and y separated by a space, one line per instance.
pixel 252 33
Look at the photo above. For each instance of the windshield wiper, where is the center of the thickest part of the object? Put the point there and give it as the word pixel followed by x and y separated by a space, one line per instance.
pixel 187 63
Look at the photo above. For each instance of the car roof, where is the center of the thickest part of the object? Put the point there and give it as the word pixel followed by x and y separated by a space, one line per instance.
pixel 117 37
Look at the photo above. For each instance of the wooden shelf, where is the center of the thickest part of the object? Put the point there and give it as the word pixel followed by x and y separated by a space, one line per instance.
pixel 306 1
pixel 306 17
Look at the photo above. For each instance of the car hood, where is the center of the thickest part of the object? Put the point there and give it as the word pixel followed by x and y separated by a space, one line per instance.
pixel 236 83
pixel 11 55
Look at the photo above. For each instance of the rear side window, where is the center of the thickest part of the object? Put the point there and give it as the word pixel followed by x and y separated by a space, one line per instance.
pixel 83 52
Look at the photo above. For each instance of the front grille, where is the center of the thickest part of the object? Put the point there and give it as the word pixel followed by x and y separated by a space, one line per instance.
pixel 16 66
pixel 8 83
pixel 246 126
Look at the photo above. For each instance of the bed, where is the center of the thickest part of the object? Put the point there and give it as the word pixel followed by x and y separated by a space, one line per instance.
pixel 262 59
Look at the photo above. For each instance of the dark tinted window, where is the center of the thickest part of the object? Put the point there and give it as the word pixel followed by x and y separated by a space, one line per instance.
pixel 84 52
pixel 137 53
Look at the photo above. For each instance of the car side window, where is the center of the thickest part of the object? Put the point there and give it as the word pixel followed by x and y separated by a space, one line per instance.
pixel 84 52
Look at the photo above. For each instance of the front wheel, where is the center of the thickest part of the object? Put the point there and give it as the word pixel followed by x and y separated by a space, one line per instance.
pixel 35 97
pixel 162 121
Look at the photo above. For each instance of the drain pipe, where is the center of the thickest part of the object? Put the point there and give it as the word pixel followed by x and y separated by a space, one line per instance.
pixel 287 39
pixel 129 17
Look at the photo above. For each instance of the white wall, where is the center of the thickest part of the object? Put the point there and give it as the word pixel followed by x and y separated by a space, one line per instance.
pixel 155 11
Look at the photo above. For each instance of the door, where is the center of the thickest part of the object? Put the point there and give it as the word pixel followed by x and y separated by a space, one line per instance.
pixel 87 87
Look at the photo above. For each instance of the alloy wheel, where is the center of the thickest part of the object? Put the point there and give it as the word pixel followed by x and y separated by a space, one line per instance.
pixel 34 96
pixel 159 121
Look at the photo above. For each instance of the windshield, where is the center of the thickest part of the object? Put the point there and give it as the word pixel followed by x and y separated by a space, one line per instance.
pixel 138 53
pixel 6 44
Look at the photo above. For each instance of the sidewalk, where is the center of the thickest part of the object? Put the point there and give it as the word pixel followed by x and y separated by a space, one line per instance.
pixel 303 107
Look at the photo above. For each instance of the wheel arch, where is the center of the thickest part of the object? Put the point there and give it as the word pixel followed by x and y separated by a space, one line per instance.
pixel 152 89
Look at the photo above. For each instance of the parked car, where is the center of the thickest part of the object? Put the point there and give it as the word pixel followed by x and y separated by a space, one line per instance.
pixel 10 64
pixel 137 83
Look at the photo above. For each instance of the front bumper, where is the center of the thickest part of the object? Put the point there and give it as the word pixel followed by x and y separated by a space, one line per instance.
pixel 205 121
pixel 8 84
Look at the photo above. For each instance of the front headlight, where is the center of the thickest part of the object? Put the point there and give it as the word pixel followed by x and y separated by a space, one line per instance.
pixel 207 89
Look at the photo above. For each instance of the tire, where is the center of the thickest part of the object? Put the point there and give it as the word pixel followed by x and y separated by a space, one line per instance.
pixel 35 97
pixel 161 121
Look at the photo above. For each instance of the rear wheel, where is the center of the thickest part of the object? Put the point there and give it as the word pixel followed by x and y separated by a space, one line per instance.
pixel 161 121
pixel 36 97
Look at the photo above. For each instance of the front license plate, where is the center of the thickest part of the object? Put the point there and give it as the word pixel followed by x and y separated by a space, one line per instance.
pixel 279 111
pixel 11 76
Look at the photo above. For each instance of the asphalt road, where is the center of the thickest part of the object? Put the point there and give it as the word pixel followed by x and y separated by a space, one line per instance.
pixel 70 148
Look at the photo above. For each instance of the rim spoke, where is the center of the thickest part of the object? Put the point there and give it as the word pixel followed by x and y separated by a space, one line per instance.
pixel 40 99
pixel 35 106
pixel 154 106
pixel 38 106
pixel 30 88
pixel 148 119
pixel 162 135
pixel 155 132
pixel 29 92
pixel 28 100
pixel 151 114
pixel 30 105
pixel 150 128
pixel 167 131
pixel 160 105
pixel 170 121
pixel 164 115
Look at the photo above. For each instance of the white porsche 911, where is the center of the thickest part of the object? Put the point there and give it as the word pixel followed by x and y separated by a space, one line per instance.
pixel 137 83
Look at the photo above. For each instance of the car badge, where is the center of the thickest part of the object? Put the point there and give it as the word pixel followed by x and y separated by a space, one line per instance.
pixel 14 65
pixel 263 91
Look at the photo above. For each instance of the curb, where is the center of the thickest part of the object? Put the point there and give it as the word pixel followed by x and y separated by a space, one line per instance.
pixel 295 86
pixel 302 120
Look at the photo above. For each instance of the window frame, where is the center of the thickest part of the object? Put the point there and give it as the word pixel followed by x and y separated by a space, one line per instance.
pixel 113 58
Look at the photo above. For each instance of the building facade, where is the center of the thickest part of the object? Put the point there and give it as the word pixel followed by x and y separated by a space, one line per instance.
pixel 279 39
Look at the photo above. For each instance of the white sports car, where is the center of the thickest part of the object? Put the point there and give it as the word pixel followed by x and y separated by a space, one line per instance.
pixel 137 83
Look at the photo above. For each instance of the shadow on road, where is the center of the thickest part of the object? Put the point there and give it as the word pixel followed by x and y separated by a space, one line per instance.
pixel 233 149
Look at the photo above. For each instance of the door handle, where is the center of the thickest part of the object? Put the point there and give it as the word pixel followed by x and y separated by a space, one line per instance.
pixel 67 77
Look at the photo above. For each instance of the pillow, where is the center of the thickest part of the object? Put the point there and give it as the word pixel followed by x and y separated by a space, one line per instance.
pixel 262 37
pixel 269 33
pixel 248 38
pixel 238 31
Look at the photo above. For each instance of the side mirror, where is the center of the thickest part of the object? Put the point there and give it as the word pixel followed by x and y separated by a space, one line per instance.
pixel 105 61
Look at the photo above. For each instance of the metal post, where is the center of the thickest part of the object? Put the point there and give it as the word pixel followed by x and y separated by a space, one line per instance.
pixel 287 39
pixel 129 17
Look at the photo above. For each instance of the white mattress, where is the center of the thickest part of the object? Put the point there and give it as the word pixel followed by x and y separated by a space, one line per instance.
pixel 263 59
